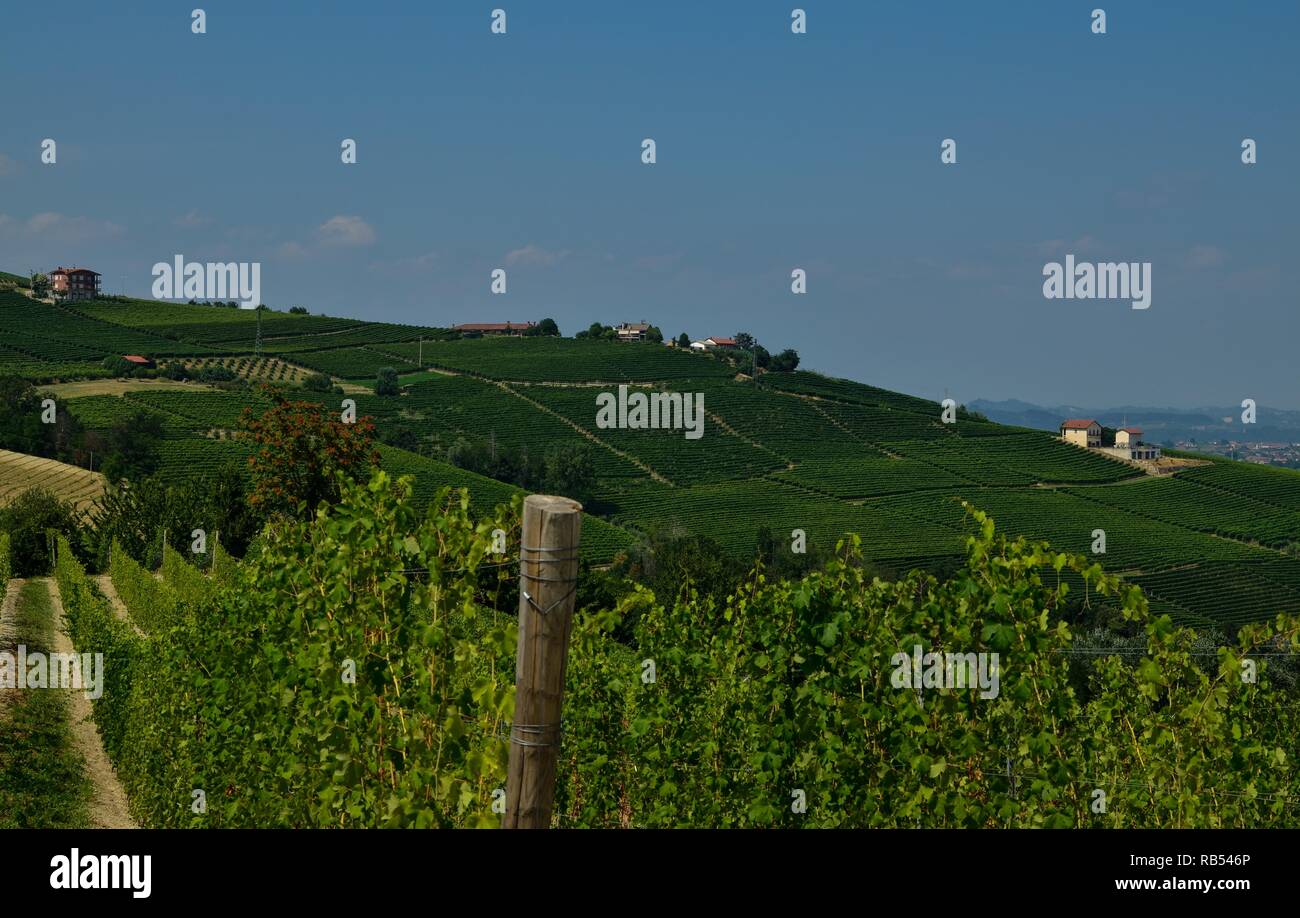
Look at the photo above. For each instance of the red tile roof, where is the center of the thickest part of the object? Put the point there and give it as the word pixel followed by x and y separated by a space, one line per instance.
pixel 1132 430
pixel 724 342
pixel 1077 424
pixel 135 358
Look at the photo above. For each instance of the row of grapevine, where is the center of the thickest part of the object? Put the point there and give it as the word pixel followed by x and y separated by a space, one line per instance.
pixel 868 476
pixel 715 456
pixel 1280 487
pixel 561 360
pixel 1222 592
pixel 187 583
pixel 249 711
pixel 1133 542
pixel 6 562
pixel 151 603
pixel 349 362
pixel 600 543
pixel 65 325
pixel 1207 509
pixel 734 512
pixel 778 707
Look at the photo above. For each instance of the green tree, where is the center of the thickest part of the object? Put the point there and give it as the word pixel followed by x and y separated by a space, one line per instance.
pixel 684 340
pixel 654 335
pixel 118 365
pixel 40 285
pixel 785 362
pixel 548 328
pixel 386 382
pixel 570 470
pixel 319 382
pixel 26 519
pixel 132 446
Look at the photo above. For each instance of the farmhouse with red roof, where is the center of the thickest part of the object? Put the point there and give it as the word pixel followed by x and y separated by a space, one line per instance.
pixel 1081 432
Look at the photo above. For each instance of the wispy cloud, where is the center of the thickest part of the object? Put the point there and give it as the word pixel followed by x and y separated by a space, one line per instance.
pixel 534 256
pixel 51 226
pixel 192 220
pixel 345 231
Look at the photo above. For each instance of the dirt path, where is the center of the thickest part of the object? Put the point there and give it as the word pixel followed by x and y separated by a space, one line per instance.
pixel 105 584
pixel 108 807
pixel 9 632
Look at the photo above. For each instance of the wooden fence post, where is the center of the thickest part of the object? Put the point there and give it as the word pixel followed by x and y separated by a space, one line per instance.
pixel 548 572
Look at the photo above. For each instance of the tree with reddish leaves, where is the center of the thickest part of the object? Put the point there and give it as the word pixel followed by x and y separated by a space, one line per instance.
pixel 301 447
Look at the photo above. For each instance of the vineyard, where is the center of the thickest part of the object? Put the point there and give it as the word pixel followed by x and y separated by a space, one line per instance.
pixel 788 451
pixel 787 687
pixel 23 319
pixel 19 472
pixel 256 369
pixel 561 360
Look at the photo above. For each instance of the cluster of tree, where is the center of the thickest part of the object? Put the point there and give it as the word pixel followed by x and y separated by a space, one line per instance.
pixel 749 355
pixel 543 329
pixel 28 424
pixel 219 304
pixel 303 456
pixel 562 468
pixel 601 332
pixel 386 382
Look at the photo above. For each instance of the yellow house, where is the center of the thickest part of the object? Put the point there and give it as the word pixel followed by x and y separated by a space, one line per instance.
pixel 1081 432
pixel 1128 436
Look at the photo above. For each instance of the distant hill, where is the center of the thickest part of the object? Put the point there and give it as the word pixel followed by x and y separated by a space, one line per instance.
pixel 1159 424
pixel 790 451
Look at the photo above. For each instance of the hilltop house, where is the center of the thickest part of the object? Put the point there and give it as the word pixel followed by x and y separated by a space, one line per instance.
pixel 137 361
pixel 1129 445
pixel 74 283
pixel 1086 432
pixel 632 331
pixel 490 329
pixel 1081 432
pixel 720 342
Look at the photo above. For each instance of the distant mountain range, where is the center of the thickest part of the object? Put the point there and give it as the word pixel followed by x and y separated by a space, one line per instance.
pixel 1159 425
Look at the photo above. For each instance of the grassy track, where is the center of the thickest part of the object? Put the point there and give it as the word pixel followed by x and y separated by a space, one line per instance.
pixel 43 783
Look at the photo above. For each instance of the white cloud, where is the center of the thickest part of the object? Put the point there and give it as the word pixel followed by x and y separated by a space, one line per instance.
pixel 534 256
pixel 55 227
pixel 345 231
pixel 291 250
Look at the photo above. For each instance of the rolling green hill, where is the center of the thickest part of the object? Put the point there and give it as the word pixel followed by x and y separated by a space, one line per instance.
pixel 1215 543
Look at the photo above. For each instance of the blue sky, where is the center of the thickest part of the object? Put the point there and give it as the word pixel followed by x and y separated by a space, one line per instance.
pixel 775 151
